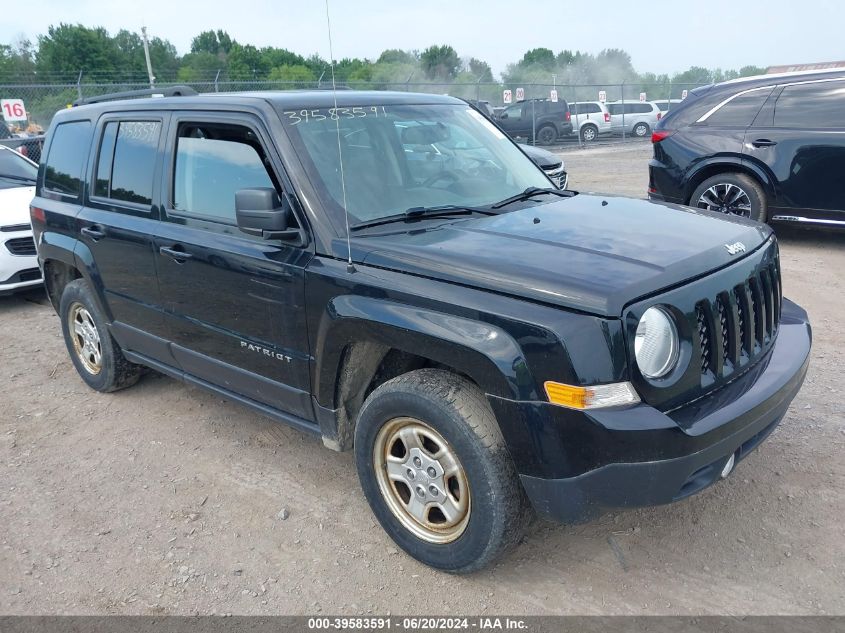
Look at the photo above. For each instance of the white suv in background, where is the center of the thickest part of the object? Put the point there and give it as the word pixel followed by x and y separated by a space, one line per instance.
pixel 635 118
pixel 18 263
pixel 590 119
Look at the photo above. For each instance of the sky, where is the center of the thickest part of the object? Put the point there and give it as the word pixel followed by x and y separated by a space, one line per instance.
pixel 661 36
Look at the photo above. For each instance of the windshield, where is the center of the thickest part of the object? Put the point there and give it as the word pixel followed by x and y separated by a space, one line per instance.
pixel 15 170
pixel 397 158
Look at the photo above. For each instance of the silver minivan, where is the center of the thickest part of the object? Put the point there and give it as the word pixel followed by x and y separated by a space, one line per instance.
pixel 590 119
pixel 636 118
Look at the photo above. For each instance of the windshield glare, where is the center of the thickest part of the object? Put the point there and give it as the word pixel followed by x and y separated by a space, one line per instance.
pixel 400 157
pixel 14 165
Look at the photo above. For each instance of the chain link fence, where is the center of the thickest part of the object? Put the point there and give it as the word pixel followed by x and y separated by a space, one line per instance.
pixel 42 100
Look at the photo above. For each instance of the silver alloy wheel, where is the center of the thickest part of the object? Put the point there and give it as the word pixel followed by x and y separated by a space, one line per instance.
pixel 86 338
pixel 641 129
pixel 589 133
pixel 422 480
pixel 726 198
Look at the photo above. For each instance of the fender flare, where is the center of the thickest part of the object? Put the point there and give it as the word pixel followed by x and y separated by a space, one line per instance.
pixel 738 163
pixel 482 351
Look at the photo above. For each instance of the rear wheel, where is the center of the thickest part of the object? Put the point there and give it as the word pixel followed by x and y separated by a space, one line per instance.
pixel 95 354
pixel 546 135
pixel 733 194
pixel 589 133
pixel 436 472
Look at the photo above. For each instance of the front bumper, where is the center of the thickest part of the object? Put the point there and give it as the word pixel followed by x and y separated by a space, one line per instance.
pixel 639 456
pixel 17 272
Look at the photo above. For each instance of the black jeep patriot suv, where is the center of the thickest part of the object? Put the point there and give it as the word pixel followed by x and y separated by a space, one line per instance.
pixel 392 274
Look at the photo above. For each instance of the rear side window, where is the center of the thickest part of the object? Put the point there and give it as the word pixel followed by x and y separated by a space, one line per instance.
pixel 213 161
pixel 586 108
pixel 126 162
pixel 637 108
pixel 817 105
pixel 68 151
pixel 741 110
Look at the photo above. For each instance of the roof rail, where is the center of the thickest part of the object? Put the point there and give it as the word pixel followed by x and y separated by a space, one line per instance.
pixel 170 91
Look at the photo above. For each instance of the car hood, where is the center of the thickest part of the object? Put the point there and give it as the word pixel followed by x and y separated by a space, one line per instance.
pixel 14 205
pixel 590 253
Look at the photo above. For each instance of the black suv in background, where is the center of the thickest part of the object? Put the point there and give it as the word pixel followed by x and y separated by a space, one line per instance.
pixel 539 120
pixel 769 148
pixel 390 273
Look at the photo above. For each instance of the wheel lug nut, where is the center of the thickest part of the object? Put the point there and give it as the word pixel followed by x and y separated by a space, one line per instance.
pixel 433 490
pixel 417 462
pixel 420 491
pixel 432 472
pixel 411 474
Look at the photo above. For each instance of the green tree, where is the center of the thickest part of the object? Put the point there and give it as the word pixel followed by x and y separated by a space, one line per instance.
pixel 297 73
pixel 202 66
pixel 440 63
pixel 395 56
pixel 245 63
pixel 480 70
pixel 542 57
pixel 215 42
pixel 69 48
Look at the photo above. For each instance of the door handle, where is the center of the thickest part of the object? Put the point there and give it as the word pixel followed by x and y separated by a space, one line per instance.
pixel 764 142
pixel 93 232
pixel 175 253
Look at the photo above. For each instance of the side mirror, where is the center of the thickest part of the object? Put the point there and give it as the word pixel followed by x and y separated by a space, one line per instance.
pixel 503 115
pixel 259 212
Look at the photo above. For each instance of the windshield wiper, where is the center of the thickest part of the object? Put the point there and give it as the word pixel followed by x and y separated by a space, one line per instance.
pixel 415 213
pixel 18 178
pixel 529 193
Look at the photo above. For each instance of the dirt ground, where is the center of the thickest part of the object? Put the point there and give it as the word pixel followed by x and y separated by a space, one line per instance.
pixel 165 499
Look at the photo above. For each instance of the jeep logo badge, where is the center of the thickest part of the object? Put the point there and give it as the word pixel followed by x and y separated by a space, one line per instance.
pixel 736 247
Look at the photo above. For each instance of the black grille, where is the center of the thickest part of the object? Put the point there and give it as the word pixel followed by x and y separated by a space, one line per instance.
pixel 30 274
pixel 21 246
pixel 14 228
pixel 738 325
pixel 704 340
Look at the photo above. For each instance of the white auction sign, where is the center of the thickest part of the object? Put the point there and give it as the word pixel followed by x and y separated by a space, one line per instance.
pixel 602 96
pixel 683 95
pixel 507 96
pixel 13 109
pixel 520 94
pixel 553 95
pixel 642 96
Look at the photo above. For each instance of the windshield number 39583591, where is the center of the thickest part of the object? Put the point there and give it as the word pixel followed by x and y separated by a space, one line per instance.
pixel 295 117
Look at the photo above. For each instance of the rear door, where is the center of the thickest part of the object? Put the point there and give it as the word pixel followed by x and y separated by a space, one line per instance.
pixel 802 143
pixel 513 121
pixel 117 223
pixel 234 303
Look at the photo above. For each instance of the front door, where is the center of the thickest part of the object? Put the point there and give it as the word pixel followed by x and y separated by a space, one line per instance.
pixel 234 303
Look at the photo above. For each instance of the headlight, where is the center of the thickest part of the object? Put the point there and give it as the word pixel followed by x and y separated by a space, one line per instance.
pixel 656 343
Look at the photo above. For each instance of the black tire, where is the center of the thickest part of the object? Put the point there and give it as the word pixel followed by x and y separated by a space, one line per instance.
pixel 546 135
pixel 114 371
pixel 457 410
pixel 750 187
pixel 641 130
pixel 589 133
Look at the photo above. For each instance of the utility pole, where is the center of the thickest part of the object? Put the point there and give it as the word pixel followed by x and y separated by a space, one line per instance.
pixel 147 55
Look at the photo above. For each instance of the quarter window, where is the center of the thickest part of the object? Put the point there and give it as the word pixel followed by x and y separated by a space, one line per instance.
pixel 214 161
pixel 816 105
pixel 741 110
pixel 68 149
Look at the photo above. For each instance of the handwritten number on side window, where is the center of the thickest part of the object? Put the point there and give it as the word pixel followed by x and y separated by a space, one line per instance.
pixel 295 117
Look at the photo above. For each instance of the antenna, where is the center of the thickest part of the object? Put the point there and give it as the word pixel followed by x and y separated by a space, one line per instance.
pixel 350 268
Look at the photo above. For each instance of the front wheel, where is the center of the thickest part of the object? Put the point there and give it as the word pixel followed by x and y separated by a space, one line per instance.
pixel 732 194
pixel 435 470
pixel 589 133
pixel 641 130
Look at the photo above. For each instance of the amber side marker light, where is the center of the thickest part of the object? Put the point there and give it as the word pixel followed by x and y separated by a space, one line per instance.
pixel 591 397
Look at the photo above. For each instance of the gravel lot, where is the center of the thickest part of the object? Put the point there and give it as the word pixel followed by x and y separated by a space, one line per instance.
pixel 164 499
